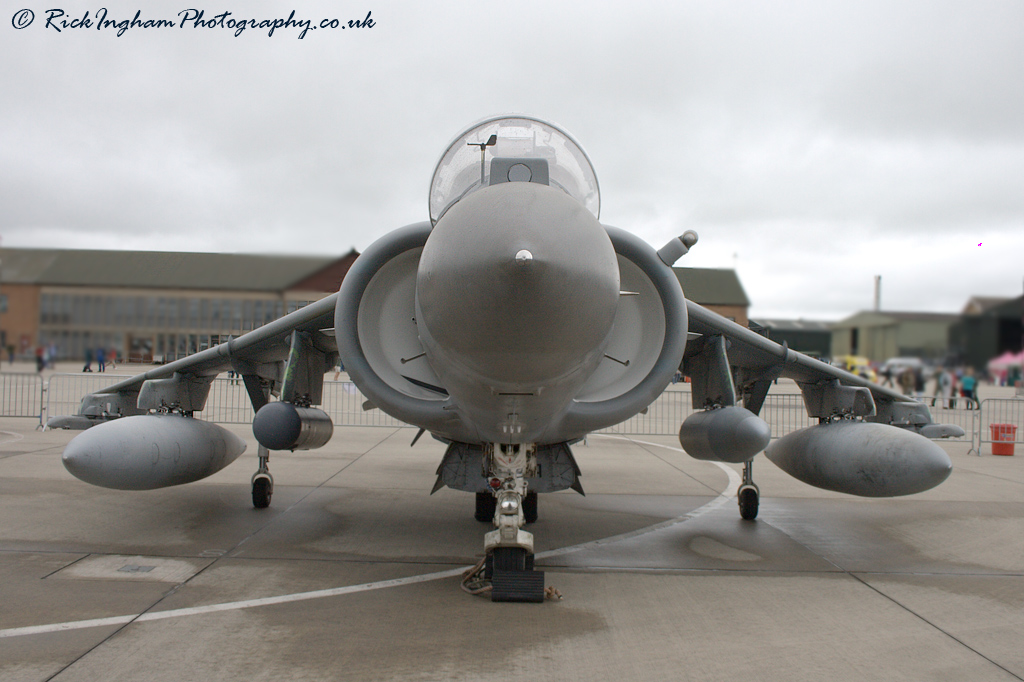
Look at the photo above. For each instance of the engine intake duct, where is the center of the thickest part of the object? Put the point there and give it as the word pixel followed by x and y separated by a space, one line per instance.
pixel 283 426
pixel 725 434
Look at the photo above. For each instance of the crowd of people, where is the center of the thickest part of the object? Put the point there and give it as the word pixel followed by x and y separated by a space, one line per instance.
pixel 46 358
pixel 949 384
pixel 103 358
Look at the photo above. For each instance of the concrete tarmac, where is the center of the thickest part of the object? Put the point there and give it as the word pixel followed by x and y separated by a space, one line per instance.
pixel 352 573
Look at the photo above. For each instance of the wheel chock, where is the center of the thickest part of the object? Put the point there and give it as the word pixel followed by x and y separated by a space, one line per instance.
pixel 521 586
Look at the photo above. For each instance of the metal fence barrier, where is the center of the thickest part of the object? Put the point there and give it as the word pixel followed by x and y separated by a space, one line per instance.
pixel 24 395
pixel 228 403
pixel 785 413
pixel 661 418
pixel 64 392
pixel 1006 411
pixel 962 412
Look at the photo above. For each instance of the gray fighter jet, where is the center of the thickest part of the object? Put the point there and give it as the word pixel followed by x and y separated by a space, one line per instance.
pixel 510 325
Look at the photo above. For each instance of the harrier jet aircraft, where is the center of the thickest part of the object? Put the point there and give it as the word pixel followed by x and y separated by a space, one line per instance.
pixel 510 325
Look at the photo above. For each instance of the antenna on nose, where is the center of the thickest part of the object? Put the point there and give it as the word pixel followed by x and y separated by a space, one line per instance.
pixel 491 141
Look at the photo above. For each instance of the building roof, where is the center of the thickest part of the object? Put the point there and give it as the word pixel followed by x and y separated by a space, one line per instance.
pixel 922 317
pixel 712 286
pixel 884 317
pixel 980 304
pixel 160 269
pixel 796 325
pixel 1010 308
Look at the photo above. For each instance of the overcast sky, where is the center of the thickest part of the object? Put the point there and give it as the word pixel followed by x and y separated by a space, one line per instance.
pixel 812 145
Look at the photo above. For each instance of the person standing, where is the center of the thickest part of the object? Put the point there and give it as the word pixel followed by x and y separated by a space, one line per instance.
pixel 101 359
pixel 907 381
pixel 944 387
pixel 969 388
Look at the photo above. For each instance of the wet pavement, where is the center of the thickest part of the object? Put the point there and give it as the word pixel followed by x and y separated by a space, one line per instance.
pixel 352 573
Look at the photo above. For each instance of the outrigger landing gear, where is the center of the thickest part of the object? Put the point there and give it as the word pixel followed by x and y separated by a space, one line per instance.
pixel 748 494
pixel 262 481
pixel 509 548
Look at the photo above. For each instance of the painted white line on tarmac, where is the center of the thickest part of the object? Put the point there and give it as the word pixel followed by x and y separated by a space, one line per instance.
pixel 723 497
pixel 13 437
pixel 229 606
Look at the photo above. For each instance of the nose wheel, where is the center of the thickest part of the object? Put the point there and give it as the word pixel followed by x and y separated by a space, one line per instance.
pixel 508 548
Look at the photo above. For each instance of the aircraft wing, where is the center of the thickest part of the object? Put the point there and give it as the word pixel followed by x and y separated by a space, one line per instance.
pixel 285 357
pixel 754 362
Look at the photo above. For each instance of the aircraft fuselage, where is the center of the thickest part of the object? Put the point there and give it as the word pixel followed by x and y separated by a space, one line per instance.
pixel 516 294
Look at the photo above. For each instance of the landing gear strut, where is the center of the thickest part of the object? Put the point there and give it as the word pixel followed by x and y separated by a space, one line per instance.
pixel 487 504
pixel 262 481
pixel 748 494
pixel 509 548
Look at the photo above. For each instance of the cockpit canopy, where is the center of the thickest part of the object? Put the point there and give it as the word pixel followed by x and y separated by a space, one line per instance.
pixel 511 149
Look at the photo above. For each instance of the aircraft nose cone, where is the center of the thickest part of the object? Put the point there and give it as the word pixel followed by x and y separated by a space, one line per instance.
pixel 518 283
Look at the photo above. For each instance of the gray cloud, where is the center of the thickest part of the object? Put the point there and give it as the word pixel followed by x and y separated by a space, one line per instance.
pixel 818 141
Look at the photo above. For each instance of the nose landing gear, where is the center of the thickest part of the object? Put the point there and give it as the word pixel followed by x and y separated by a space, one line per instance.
pixel 487 504
pixel 508 547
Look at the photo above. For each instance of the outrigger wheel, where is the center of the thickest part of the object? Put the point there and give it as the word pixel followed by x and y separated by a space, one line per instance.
pixel 748 496
pixel 262 491
pixel 262 481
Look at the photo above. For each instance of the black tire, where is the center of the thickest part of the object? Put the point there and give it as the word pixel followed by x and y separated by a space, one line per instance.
pixel 509 559
pixel 262 491
pixel 748 503
pixel 486 504
pixel 530 508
